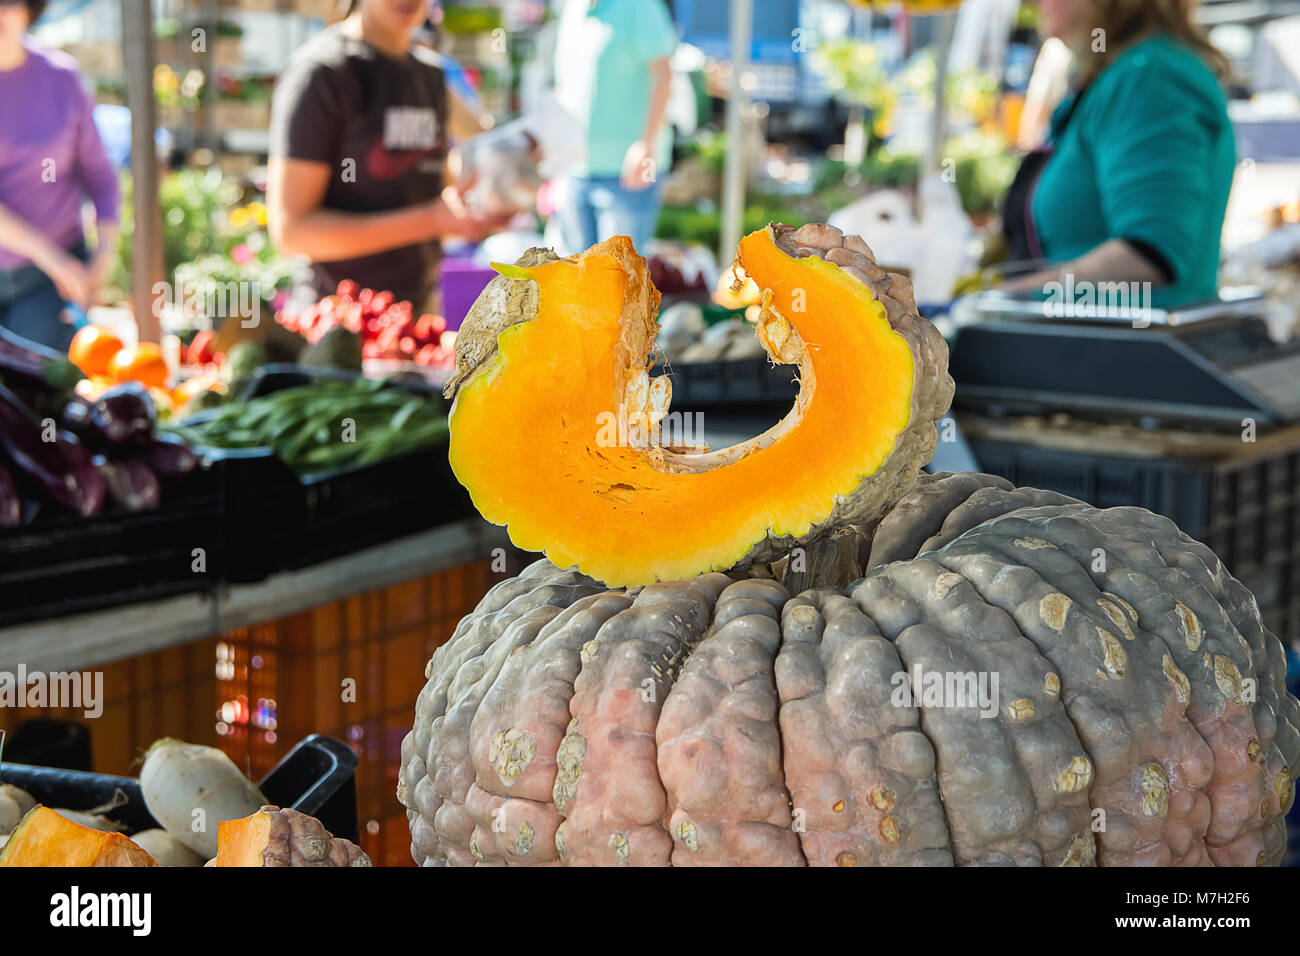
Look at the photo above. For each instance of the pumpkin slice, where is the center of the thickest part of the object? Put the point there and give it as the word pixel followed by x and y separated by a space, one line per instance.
pixel 555 426
pixel 275 837
pixel 47 838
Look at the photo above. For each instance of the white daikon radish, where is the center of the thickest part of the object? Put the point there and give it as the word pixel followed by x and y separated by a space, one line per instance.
pixel 89 818
pixel 165 848
pixel 10 813
pixel 26 802
pixel 190 789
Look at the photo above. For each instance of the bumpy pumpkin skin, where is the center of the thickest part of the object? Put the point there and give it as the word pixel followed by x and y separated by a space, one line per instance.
pixel 1142 717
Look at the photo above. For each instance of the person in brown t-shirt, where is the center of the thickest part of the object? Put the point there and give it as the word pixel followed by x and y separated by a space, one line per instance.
pixel 359 137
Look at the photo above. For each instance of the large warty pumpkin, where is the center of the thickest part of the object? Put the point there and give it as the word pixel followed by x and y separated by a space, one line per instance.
pixel 801 650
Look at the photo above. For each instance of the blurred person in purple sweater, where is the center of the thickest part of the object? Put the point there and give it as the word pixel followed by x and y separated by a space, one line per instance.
pixel 50 158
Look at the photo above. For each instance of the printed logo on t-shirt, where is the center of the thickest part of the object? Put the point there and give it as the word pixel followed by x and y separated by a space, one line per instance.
pixel 410 127
pixel 410 143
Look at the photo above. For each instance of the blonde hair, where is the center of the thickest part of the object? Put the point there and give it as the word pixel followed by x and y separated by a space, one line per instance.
pixel 1128 21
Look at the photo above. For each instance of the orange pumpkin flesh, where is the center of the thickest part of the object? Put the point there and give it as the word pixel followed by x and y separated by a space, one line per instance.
pixel 535 440
pixel 47 838
pixel 242 842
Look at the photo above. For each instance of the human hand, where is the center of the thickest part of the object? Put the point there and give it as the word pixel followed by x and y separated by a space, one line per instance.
pixel 453 218
pixel 1030 282
pixel 638 167
pixel 98 273
pixel 70 277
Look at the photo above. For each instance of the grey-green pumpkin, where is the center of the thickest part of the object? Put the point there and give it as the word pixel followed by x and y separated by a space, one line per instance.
pixel 1133 712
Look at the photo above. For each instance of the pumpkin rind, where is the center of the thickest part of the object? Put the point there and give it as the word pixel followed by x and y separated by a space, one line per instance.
pixel 707 733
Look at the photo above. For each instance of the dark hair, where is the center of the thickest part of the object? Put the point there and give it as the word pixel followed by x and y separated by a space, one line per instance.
pixel 34 9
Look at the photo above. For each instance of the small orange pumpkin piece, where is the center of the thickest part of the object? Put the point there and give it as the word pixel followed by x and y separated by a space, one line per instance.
pixel 47 838
pixel 275 837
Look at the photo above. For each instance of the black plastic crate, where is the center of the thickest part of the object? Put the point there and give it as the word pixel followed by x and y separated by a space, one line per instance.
pixel 274 520
pixel 1245 508
pixel 727 382
pixel 780 383
pixel 65 564
pixel 276 377
pixel 696 383
pixel 316 777
pixel 263 514
pixel 353 508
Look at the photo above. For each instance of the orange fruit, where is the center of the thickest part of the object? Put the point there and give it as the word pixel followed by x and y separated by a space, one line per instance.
pixel 140 363
pixel 93 348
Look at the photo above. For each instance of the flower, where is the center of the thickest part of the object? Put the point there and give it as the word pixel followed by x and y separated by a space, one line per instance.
pixel 242 254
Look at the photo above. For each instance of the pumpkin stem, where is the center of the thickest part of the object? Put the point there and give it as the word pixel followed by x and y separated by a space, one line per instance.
pixel 832 562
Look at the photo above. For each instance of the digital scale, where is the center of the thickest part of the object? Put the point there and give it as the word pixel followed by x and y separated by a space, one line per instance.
pixel 1211 364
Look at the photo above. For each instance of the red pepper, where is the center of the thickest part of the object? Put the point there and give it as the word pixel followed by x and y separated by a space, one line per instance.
pixel 200 348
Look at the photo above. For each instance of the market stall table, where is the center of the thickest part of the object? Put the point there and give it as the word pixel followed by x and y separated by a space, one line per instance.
pixel 92 639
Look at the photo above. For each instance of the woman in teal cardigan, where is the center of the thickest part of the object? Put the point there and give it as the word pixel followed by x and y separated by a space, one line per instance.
pixel 1133 181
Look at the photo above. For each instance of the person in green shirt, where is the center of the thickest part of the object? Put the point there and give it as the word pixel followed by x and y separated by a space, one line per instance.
pixel 612 74
pixel 1132 183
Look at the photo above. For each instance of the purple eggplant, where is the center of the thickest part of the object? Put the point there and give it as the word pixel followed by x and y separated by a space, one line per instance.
pixel 11 505
pixel 124 415
pixel 32 509
pixel 131 483
pixel 22 360
pixel 169 457
pixel 43 462
pixel 82 464
pixel 75 415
